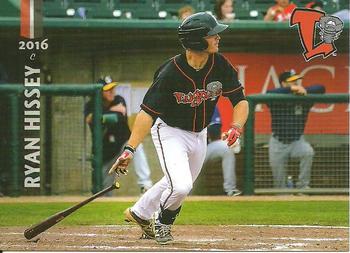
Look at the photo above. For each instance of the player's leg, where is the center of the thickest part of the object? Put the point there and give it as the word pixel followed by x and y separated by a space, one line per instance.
pixel 142 170
pixel 228 169
pixel 219 149
pixel 215 150
pixel 172 151
pixel 185 171
pixel 198 152
pixel 142 213
pixel 171 189
pixel 173 148
pixel 149 202
pixel 303 150
pixel 182 166
pixel 278 158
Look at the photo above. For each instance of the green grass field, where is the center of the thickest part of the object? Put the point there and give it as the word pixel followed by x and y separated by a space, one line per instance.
pixel 332 213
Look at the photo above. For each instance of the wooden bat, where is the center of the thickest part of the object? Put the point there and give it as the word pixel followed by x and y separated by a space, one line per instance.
pixel 36 229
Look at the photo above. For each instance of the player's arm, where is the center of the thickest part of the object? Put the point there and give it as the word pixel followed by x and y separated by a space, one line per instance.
pixel 233 89
pixel 240 114
pixel 316 89
pixel 118 108
pixel 280 90
pixel 153 100
pixel 119 105
pixel 142 126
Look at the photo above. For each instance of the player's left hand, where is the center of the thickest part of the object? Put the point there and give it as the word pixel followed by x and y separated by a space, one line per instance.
pixel 232 136
pixel 122 162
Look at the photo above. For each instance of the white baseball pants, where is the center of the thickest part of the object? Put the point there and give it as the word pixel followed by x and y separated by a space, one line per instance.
pixel 181 154
pixel 142 169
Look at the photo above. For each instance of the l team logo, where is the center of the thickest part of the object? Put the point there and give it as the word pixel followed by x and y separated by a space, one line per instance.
pixel 214 89
pixel 329 27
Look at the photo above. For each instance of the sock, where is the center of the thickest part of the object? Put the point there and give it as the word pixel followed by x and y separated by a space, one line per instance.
pixel 167 216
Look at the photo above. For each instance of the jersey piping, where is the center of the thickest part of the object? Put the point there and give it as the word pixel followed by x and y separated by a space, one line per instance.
pixel 205 78
pixel 146 107
pixel 231 91
pixel 194 88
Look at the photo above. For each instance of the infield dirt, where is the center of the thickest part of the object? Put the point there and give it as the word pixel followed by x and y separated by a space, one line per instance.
pixel 187 237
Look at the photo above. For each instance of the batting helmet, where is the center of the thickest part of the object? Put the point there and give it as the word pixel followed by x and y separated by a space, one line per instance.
pixel 197 26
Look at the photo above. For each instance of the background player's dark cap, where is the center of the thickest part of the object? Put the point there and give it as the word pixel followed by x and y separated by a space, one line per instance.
pixel 289 76
pixel 107 83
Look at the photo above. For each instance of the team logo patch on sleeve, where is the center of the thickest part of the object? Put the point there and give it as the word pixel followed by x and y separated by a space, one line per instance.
pixel 214 89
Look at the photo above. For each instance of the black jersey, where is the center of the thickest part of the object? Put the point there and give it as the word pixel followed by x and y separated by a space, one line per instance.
pixel 185 98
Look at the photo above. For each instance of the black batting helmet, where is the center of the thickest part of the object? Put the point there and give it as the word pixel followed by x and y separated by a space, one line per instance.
pixel 197 26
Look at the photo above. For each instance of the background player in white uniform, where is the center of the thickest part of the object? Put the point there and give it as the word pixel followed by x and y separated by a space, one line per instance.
pixel 217 150
pixel 177 108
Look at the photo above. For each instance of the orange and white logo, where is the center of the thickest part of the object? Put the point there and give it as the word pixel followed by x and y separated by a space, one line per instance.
pixel 310 21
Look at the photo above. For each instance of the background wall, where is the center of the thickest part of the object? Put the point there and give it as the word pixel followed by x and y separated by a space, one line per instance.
pixel 79 54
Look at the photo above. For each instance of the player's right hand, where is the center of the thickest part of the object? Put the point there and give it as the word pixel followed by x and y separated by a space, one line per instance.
pixel 122 162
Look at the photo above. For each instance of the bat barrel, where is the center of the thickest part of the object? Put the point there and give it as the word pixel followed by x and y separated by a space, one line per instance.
pixel 36 229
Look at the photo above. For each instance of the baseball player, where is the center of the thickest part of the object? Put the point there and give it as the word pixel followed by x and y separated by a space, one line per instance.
pixel 217 149
pixel 177 108
pixel 115 134
pixel 288 122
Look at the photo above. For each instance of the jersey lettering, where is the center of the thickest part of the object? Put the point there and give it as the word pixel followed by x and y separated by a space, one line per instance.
pixel 195 98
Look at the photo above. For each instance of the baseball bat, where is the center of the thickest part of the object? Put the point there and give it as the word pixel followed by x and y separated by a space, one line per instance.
pixel 36 229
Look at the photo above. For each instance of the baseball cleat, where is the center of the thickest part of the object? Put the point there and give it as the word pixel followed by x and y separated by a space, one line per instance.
pixel 163 233
pixel 145 237
pixel 147 226
pixel 234 193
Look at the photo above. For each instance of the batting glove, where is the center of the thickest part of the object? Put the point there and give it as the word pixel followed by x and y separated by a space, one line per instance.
pixel 232 136
pixel 122 162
